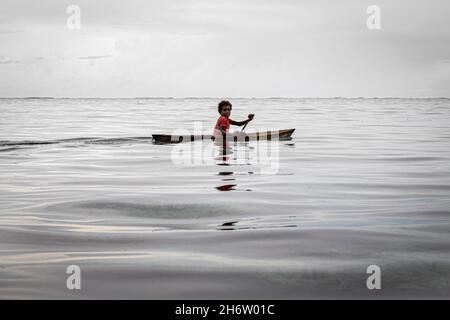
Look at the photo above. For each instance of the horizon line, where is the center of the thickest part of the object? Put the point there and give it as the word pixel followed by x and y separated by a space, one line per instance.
pixel 206 97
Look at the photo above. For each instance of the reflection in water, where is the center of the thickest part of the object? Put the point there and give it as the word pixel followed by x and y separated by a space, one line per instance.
pixel 224 151
pixel 260 223
pixel 233 151
pixel 227 226
pixel 291 145
pixel 226 187
pixel 225 173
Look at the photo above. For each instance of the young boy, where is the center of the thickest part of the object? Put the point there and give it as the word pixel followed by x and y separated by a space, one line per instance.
pixel 224 121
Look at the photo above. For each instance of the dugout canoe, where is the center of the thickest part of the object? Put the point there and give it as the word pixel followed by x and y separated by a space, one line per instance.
pixel 237 136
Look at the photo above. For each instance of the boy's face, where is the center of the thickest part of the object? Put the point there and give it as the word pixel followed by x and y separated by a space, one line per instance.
pixel 226 111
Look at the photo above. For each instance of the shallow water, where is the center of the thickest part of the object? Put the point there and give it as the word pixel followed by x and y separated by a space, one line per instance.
pixel 362 182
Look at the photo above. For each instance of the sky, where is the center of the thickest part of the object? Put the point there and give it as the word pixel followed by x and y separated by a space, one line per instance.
pixel 232 48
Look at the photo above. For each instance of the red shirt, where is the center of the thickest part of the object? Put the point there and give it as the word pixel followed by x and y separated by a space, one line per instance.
pixel 221 122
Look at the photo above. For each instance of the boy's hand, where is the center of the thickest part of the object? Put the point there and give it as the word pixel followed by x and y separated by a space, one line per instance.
pixel 250 117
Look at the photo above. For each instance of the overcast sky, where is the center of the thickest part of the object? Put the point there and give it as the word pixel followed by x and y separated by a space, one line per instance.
pixel 226 48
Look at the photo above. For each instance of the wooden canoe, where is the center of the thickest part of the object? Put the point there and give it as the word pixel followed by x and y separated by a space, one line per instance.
pixel 237 136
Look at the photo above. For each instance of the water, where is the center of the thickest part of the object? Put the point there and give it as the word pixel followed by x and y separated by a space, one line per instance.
pixel 362 182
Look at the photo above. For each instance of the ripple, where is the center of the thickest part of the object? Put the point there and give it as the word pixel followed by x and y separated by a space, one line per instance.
pixel 139 210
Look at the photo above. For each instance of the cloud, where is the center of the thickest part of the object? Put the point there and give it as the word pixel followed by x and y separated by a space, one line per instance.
pixel 96 57
pixel 2 32
pixel 9 60
pixel 224 48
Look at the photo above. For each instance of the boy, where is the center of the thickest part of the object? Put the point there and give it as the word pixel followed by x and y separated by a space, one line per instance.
pixel 224 121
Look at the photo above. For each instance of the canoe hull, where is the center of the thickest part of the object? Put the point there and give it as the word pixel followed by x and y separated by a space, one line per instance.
pixel 240 137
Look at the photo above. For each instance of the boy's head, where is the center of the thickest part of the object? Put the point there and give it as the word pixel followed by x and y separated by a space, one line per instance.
pixel 224 108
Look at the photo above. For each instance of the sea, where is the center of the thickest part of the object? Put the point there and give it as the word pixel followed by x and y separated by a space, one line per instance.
pixel 356 205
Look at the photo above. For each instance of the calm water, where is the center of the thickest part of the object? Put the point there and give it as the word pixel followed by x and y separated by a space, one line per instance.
pixel 363 181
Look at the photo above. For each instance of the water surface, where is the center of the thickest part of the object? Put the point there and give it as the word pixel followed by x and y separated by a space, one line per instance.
pixel 363 181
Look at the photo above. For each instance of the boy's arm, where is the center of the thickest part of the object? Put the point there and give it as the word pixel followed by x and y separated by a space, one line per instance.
pixel 241 123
